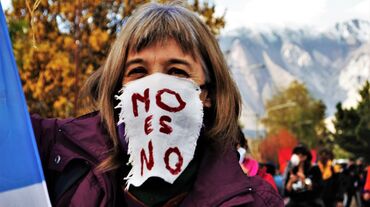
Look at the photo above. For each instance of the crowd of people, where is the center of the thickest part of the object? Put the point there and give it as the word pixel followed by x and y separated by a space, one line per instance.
pixel 324 182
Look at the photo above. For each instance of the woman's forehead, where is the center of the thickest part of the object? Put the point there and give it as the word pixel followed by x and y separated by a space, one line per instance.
pixel 144 42
pixel 162 43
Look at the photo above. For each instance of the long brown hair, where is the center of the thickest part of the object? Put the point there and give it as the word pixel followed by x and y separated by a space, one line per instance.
pixel 151 23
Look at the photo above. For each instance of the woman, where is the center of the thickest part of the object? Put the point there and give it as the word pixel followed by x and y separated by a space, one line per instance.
pixel 366 190
pixel 304 183
pixel 333 186
pixel 165 126
pixel 249 165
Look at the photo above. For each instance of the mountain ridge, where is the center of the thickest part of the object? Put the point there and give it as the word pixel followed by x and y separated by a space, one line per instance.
pixel 332 63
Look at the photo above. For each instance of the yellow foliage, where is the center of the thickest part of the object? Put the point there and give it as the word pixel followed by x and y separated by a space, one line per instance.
pixel 98 39
pixel 72 47
pixel 60 103
pixel 68 42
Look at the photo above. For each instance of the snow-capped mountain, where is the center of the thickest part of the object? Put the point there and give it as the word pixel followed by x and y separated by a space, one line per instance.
pixel 333 64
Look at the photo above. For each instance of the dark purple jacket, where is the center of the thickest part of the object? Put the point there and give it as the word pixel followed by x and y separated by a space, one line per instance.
pixel 220 181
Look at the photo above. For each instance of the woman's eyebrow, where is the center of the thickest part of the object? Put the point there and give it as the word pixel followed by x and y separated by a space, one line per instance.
pixel 134 61
pixel 178 61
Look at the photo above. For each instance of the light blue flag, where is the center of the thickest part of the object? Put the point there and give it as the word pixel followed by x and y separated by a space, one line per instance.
pixel 22 181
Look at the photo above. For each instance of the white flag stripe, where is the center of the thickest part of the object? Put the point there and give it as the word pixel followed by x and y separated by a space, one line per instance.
pixel 35 195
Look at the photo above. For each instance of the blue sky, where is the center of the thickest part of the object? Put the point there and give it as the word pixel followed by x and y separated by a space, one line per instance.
pixel 286 13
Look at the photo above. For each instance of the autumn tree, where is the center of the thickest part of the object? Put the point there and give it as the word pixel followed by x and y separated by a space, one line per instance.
pixel 58 44
pixel 269 147
pixel 296 110
pixel 352 125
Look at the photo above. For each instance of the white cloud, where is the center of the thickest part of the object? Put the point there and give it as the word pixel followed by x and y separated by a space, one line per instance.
pixel 290 13
pixel 284 11
pixel 362 9
pixel 256 13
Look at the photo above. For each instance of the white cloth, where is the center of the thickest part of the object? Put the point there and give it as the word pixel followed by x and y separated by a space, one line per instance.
pixel 242 153
pixel 163 117
pixel 294 159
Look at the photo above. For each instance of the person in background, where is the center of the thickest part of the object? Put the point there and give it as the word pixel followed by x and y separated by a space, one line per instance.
pixel 348 179
pixel 355 177
pixel 165 126
pixel 362 172
pixel 333 189
pixel 278 178
pixel 366 190
pixel 275 173
pixel 304 181
pixel 241 146
pixel 249 165
pixel 267 172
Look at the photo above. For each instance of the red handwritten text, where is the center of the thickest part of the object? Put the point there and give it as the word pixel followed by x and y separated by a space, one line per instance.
pixel 149 163
pixel 135 97
pixel 177 169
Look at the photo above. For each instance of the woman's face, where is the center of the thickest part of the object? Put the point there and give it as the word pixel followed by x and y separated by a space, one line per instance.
pixel 165 57
pixel 302 158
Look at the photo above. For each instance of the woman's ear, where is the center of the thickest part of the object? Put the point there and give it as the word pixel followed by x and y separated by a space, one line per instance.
pixel 206 100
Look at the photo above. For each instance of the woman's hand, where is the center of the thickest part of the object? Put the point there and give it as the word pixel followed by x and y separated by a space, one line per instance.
pixel 366 196
pixel 292 179
pixel 339 204
pixel 301 176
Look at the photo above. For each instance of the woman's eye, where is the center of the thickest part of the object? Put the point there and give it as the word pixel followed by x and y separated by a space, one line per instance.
pixel 178 72
pixel 136 71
